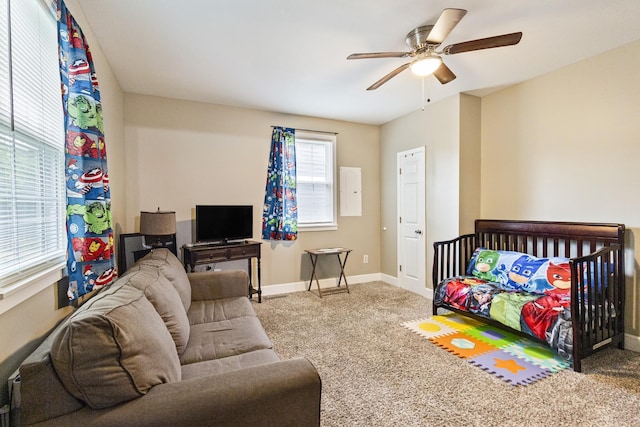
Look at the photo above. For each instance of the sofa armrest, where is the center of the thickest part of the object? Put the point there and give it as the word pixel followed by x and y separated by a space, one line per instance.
pixel 285 393
pixel 208 285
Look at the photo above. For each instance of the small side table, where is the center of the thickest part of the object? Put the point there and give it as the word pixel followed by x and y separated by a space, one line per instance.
pixel 314 254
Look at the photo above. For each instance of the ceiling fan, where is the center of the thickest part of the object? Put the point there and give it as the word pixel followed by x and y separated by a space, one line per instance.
pixel 424 42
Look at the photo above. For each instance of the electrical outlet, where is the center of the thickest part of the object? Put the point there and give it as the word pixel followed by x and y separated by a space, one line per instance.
pixel 365 259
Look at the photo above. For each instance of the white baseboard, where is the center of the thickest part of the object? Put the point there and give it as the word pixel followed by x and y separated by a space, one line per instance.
pixel 632 343
pixel 286 288
pixel 389 279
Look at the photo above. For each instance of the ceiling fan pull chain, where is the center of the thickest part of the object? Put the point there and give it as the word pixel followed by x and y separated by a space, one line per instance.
pixel 428 97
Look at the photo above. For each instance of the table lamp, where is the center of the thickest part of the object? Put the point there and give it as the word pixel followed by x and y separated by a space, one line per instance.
pixel 156 225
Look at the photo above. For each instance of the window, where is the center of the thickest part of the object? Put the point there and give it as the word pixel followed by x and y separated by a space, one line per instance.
pixel 32 190
pixel 315 180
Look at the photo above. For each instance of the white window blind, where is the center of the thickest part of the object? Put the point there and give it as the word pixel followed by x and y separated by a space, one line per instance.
pixel 315 180
pixel 32 191
pixel 5 99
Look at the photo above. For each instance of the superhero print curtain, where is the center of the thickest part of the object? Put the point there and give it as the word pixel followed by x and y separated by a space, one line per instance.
pixel 90 254
pixel 280 212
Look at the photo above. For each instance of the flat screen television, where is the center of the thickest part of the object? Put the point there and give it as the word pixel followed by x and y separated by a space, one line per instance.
pixel 223 223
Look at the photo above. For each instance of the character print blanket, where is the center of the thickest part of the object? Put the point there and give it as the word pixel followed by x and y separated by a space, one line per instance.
pixel 526 293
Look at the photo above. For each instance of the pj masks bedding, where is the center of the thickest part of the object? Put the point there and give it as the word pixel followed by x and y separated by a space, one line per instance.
pixel 526 293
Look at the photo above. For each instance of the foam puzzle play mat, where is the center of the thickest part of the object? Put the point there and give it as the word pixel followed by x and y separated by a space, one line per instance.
pixel 510 357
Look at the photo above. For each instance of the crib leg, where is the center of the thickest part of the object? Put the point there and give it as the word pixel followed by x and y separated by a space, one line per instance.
pixel 577 365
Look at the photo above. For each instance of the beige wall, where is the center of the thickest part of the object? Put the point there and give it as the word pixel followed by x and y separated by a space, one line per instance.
pixel 182 153
pixel 470 161
pixel 559 147
pixel 442 130
pixel 22 327
pixel 564 146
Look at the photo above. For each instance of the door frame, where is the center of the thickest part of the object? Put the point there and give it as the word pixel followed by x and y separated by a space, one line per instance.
pixel 399 238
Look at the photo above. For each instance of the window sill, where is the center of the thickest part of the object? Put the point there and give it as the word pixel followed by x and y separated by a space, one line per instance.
pixel 17 292
pixel 317 227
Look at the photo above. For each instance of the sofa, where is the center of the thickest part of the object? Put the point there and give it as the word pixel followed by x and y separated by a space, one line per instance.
pixel 162 347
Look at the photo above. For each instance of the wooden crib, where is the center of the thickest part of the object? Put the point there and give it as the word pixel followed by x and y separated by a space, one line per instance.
pixel 596 260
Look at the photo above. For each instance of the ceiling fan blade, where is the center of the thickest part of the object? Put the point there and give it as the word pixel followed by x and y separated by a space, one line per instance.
pixel 447 21
pixel 389 76
pixel 378 55
pixel 444 74
pixel 488 43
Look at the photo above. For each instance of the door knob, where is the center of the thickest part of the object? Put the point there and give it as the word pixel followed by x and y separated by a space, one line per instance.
pixel 418 231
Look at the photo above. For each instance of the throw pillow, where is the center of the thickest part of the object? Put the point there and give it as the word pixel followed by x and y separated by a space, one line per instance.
pixel 517 271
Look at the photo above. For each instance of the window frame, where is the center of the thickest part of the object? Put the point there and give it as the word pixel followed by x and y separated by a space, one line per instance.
pixel 39 273
pixel 329 141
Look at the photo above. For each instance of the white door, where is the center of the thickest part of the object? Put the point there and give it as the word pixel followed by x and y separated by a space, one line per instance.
pixel 411 221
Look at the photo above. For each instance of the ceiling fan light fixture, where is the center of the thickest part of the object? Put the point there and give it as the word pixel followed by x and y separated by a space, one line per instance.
pixel 424 43
pixel 426 66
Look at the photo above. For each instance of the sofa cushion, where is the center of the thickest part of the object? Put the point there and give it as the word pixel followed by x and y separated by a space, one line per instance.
pixel 225 338
pixel 165 299
pixel 114 349
pixel 219 309
pixel 228 364
pixel 208 285
pixel 172 269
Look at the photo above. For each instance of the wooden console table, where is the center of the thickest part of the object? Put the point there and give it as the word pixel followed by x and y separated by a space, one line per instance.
pixel 208 254
pixel 314 254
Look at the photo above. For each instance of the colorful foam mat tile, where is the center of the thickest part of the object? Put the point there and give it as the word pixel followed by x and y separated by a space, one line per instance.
pixel 537 354
pixel 457 321
pixel 492 335
pixel 510 368
pixel 462 345
pixel 428 328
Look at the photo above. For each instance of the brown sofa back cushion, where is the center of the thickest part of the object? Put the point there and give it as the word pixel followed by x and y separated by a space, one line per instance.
pixel 114 349
pixel 172 269
pixel 166 300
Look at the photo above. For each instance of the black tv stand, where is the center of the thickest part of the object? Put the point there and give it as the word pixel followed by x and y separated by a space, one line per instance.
pixel 216 243
pixel 226 242
pixel 200 254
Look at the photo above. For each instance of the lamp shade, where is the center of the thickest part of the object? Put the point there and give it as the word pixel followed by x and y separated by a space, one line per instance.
pixel 157 223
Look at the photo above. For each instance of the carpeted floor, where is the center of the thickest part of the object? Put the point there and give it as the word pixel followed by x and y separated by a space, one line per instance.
pixel 377 373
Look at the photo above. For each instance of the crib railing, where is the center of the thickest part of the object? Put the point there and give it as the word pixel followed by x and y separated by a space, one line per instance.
pixel 597 295
pixel 451 258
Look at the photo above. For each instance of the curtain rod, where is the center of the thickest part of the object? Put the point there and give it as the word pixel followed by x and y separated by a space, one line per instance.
pixel 310 130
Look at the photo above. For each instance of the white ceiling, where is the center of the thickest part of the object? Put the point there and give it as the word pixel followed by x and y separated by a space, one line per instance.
pixel 289 56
